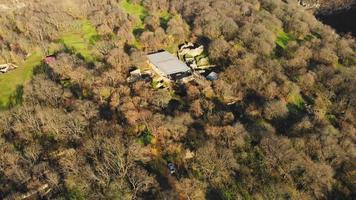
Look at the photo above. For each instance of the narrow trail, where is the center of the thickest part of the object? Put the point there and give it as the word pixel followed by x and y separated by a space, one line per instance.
pixel 168 182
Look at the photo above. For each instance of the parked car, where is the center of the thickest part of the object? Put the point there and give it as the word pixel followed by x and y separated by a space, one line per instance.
pixel 171 168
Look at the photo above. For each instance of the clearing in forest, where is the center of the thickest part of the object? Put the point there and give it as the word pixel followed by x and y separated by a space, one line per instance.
pixel 9 82
pixel 135 10
pixel 139 12
pixel 80 39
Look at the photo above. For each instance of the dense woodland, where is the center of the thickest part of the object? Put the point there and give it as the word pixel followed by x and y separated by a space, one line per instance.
pixel 280 123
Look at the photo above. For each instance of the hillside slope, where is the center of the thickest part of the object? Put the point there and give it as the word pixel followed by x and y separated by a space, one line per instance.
pixel 278 123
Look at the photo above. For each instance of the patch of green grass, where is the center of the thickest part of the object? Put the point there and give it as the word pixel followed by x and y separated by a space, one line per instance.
pixel 135 10
pixel 309 37
pixel 341 68
pixel 137 44
pixel 139 12
pixel 296 99
pixel 165 16
pixel 295 105
pixel 145 137
pixel 316 34
pixel 54 47
pixel 156 83
pixel 80 40
pixel 13 80
pixel 283 38
pixel 233 190
pixel 74 194
pixel 172 48
pixel 332 119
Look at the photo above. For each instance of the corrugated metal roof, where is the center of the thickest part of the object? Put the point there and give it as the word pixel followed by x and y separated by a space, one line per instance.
pixel 167 63
pixel 212 76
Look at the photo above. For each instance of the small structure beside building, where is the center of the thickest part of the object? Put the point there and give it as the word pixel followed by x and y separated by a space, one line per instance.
pixel 213 76
pixel 194 56
pixel 168 66
pixel 190 50
pixel 7 67
pixel 136 75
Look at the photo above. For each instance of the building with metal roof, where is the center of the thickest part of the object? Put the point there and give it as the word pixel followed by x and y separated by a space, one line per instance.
pixel 168 65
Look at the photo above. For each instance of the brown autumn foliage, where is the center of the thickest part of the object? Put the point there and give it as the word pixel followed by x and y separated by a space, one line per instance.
pixel 280 123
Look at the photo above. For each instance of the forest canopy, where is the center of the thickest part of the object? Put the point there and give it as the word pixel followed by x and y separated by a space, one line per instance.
pixel 278 123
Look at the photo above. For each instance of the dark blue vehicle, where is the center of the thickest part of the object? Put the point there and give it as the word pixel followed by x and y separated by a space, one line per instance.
pixel 171 168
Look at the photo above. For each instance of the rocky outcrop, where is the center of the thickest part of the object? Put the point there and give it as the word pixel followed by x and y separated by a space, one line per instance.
pixel 326 5
pixel 309 4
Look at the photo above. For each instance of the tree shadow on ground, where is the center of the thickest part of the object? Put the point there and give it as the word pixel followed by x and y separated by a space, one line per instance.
pixel 17 97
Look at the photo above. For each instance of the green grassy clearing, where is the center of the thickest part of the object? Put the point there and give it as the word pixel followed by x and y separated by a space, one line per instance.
pixel 139 12
pixel 172 47
pixel 135 10
pixel 283 38
pixel 164 18
pixel 80 39
pixel 145 137
pixel 10 81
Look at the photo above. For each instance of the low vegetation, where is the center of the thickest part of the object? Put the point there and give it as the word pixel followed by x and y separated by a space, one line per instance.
pixel 12 81
pixel 81 39
pixel 134 9
pixel 283 38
